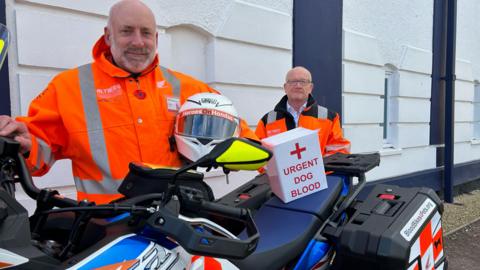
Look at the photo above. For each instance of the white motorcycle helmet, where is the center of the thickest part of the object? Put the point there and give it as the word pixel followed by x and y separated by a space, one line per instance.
pixel 202 122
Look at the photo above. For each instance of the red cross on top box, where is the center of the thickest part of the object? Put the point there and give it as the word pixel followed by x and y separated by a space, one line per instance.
pixel 296 169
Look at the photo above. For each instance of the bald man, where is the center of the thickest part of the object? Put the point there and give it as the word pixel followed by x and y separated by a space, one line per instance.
pixel 105 114
pixel 299 109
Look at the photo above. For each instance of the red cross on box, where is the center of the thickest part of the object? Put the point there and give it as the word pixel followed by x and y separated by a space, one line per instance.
pixel 298 151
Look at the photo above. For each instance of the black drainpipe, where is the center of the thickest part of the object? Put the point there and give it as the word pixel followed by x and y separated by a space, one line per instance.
pixel 450 98
pixel 437 102
pixel 442 108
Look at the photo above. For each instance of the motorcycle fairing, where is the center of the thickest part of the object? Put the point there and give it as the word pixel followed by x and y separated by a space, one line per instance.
pixel 210 263
pixel 131 251
pixel 10 259
pixel 316 256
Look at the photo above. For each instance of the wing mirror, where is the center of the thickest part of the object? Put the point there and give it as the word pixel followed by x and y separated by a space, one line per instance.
pixel 233 154
pixel 237 154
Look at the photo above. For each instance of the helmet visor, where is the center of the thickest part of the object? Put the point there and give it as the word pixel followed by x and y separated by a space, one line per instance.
pixel 206 123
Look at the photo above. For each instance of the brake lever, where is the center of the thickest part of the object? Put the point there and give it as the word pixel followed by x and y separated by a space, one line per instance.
pixel 167 220
pixel 209 224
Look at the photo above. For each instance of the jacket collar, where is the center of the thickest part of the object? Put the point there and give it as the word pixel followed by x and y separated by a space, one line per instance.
pixel 282 104
pixel 103 58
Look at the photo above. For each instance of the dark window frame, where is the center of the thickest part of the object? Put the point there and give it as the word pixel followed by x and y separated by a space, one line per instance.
pixel 4 75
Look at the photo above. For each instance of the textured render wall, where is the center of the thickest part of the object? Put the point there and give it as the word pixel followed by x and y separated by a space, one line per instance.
pixel 398 34
pixel 394 23
pixel 242 48
pixel 467 147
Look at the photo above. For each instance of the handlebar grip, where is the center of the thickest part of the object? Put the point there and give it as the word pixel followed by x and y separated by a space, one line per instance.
pixel 229 211
pixel 33 192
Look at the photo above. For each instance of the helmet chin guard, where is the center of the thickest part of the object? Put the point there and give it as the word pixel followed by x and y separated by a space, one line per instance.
pixel 202 122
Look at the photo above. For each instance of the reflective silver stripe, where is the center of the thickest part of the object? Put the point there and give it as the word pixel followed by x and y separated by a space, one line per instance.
pixel 96 137
pixel 97 187
pixel 271 117
pixel 46 152
pixel 44 155
pixel 336 147
pixel 171 79
pixel 322 112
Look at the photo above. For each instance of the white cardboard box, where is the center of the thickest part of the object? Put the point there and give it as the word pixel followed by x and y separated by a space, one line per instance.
pixel 296 168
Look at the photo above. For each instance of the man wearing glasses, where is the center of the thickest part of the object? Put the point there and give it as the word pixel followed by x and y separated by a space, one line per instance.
pixel 298 108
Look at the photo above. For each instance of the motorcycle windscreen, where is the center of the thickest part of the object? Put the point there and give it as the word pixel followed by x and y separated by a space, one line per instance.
pixel 211 124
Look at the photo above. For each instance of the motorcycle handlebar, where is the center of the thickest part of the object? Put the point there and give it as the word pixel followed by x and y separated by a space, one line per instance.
pixel 11 148
pixel 230 211
pixel 33 192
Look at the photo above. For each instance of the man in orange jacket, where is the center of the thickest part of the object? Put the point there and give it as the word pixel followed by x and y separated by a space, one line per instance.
pixel 103 115
pixel 298 109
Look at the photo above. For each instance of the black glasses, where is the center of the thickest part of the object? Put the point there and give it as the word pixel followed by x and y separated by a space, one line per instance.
pixel 299 82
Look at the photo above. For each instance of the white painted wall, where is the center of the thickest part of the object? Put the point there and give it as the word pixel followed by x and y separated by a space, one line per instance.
pixel 242 48
pixel 399 34
pixel 364 74
pixel 467 96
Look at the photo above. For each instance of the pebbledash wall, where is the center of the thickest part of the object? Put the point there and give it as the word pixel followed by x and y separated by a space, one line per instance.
pixel 244 47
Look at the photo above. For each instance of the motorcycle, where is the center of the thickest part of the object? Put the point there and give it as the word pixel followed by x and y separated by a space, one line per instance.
pixel 170 220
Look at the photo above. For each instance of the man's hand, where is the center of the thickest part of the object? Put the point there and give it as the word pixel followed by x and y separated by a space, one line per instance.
pixel 17 131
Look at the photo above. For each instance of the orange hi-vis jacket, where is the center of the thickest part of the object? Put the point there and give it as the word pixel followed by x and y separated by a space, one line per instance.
pixel 102 118
pixel 313 117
